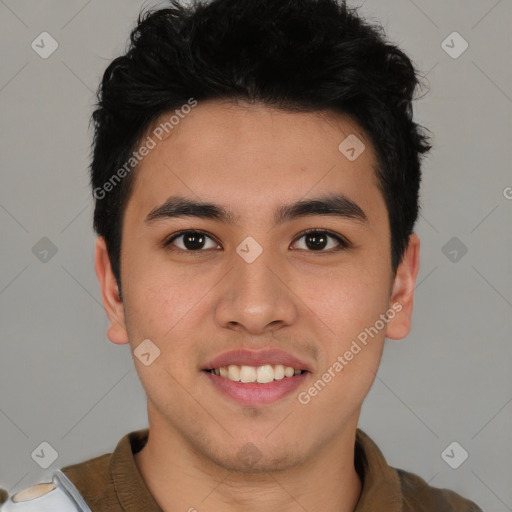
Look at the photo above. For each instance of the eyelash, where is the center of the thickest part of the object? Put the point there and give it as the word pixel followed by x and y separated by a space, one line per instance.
pixel 344 243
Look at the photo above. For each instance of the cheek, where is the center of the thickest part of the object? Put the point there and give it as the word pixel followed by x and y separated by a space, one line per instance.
pixel 157 295
pixel 348 305
pixel 351 346
pixel 158 308
pixel 347 300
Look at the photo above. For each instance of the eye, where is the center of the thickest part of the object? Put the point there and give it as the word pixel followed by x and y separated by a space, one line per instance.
pixel 318 239
pixel 191 240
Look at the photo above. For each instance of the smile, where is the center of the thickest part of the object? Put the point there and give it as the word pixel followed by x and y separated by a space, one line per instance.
pixel 261 374
pixel 253 392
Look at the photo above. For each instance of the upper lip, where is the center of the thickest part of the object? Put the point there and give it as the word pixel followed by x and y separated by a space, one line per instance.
pixel 243 357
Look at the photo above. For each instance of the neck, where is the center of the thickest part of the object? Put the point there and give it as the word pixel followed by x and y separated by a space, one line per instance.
pixel 181 478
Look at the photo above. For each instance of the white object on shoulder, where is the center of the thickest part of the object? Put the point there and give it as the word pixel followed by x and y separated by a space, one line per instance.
pixel 59 495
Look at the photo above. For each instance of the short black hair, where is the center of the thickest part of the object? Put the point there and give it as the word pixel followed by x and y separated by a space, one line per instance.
pixel 295 55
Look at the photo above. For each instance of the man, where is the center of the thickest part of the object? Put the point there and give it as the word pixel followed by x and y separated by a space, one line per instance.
pixel 256 173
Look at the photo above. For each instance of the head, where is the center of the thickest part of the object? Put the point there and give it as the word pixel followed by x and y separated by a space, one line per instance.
pixel 280 117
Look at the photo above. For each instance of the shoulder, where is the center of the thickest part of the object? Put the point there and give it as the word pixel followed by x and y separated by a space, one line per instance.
pixel 97 468
pixel 418 496
pixel 82 486
pixel 93 480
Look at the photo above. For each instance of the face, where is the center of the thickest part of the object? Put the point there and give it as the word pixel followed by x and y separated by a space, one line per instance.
pixel 257 282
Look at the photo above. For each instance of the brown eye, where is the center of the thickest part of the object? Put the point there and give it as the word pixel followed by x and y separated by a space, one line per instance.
pixel 191 241
pixel 318 240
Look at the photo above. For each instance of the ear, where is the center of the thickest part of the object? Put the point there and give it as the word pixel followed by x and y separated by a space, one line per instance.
pixel 402 295
pixel 112 303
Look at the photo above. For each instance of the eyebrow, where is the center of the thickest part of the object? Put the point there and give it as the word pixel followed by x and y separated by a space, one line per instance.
pixel 337 205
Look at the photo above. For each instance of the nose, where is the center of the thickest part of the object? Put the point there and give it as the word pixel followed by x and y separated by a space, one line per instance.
pixel 257 297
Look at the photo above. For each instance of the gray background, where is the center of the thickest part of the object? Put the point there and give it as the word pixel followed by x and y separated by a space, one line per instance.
pixel 62 381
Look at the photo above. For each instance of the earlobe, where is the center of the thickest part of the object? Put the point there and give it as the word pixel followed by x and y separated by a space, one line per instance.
pixel 112 301
pixel 402 295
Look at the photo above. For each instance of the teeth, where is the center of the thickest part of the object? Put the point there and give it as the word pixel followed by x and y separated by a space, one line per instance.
pixel 278 372
pixel 248 374
pixel 265 374
pixel 289 372
pixel 233 372
pixel 261 374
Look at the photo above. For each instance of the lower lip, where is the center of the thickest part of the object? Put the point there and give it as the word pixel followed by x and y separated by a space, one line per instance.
pixel 253 393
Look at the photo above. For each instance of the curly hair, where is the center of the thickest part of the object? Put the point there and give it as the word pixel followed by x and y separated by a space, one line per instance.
pixel 295 55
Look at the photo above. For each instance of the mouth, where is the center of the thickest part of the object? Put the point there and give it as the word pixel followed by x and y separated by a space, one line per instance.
pixel 252 392
pixel 262 374
pixel 256 378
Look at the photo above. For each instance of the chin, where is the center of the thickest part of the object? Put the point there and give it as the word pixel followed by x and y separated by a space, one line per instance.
pixel 250 459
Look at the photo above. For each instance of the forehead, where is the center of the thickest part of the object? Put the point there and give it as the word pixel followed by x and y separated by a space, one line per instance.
pixel 247 156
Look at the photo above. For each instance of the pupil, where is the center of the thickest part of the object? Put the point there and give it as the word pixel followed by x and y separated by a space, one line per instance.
pixel 318 241
pixel 193 240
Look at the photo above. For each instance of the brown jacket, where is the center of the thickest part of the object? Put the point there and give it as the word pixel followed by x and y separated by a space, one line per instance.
pixel 113 483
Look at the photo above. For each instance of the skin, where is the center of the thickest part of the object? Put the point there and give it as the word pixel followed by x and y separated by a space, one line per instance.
pixel 252 159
